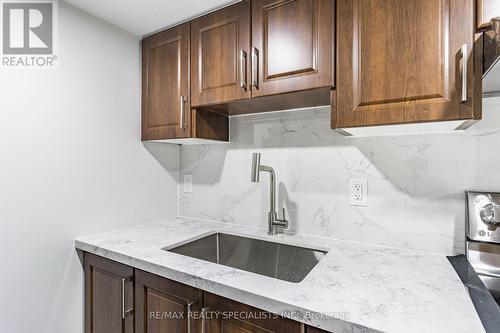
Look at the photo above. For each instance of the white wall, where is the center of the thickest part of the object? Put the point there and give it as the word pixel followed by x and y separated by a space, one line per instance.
pixel 416 183
pixel 71 164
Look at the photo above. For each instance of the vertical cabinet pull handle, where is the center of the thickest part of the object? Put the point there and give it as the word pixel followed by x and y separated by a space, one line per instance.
pixel 183 103
pixel 189 308
pixel 243 70
pixel 125 312
pixel 255 67
pixel 464 53
pixel 203 319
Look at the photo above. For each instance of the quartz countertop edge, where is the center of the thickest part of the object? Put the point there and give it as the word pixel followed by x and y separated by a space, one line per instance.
pixel 356 287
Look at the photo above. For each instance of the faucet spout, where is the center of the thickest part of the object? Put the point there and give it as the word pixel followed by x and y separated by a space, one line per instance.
pixel 255 176
pixel 274 223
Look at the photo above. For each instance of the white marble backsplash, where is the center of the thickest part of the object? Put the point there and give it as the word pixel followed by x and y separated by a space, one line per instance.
pixel 416 183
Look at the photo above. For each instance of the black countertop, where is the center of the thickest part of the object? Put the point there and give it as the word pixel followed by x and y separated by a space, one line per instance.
pixel 486 307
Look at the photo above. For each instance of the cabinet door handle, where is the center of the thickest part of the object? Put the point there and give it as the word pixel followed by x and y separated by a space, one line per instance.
pixel 183 103
pixel 243 70
pixel 189 308
pixel 125 313
pixel 204 312
pixel 255 67
pixel 465 54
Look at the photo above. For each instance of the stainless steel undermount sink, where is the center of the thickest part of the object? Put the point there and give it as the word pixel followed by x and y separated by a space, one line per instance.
pixel 285 262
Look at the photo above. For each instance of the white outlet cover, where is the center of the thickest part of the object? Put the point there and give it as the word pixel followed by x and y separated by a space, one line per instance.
pixel 188 183
pixel 358 192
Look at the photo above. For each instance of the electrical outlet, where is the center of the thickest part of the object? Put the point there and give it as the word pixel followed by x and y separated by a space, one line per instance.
pixel 188 183
pixel 358 192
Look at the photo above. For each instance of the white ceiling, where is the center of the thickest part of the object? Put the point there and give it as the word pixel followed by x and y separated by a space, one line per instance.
pixel 142 17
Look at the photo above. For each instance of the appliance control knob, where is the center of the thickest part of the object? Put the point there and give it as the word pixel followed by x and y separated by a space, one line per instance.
pixel 490 214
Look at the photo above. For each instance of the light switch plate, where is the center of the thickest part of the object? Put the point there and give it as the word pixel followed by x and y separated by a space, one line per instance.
pixel 358 192
pixel 188 183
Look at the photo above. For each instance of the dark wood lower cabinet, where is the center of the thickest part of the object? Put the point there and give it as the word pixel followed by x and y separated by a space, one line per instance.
pixel 165 306
pixel 226 316
pixel 109 296
pixel 117 296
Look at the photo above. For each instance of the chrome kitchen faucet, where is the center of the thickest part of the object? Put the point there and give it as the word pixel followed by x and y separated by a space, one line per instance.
pixel 274 223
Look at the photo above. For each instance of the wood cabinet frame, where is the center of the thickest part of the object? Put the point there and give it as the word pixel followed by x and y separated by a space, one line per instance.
pixel 160 296
pixel 424 55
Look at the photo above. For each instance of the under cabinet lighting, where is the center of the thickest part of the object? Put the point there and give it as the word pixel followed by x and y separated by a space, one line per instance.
pixel 408 129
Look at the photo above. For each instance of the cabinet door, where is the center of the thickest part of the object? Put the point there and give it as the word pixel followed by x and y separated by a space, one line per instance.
pixel 165 306
pixel 165 85
pixel 227 316
pixel 293 43
pixel 400 61
pixel 486 10
pixel 220 59
pixel 109 296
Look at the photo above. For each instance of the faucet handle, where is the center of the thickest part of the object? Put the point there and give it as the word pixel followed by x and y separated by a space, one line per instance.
pixel 282 223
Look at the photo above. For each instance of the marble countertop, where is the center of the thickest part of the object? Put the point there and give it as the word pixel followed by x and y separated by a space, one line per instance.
pixel 354 288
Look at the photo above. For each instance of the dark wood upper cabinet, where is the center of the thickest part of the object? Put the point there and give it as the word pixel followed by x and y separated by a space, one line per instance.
pixel 402 62
pixel 165 85
pixel 486 10
pixel 390 61
pixel 166 92
pixel 220 56
pixel 109 296
pixel 293 43
pixel 256 320
pixel 165 306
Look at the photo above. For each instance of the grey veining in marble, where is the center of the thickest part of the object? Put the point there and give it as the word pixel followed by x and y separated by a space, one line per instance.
pixel 354 288
pixel 416 183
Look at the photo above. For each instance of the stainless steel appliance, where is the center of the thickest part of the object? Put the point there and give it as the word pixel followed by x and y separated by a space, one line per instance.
pixel 483 238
